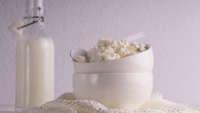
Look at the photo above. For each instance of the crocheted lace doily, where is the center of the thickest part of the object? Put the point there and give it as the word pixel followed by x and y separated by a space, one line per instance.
pixel 67 103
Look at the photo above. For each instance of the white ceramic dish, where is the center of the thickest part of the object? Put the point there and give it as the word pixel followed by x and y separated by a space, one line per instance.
pixel 114 90
pixel 139 63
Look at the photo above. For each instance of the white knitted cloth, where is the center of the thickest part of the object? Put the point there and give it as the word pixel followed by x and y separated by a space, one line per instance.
pixel 67 103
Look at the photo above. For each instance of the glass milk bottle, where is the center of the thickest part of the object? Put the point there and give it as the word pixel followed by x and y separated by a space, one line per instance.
pixel 34 61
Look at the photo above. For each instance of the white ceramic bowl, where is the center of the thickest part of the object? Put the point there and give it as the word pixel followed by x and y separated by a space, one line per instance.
pixel 139 63
pixel 114 90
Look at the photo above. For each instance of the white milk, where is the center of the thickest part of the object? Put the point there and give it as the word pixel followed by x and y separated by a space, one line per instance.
pixel 35 72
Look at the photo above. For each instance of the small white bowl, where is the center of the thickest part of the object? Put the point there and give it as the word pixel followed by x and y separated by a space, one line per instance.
pixel 139 63
pixel 114 90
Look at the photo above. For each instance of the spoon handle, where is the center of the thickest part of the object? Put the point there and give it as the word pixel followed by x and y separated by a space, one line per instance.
pixel 135 36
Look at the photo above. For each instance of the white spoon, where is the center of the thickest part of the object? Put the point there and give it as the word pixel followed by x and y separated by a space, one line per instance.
pixel 83 52
pixel 76 52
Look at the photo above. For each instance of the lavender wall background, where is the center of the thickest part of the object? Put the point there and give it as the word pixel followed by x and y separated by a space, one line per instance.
pixel 172 28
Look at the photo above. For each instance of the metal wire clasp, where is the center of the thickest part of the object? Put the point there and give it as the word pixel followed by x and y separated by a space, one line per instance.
pixel 39 19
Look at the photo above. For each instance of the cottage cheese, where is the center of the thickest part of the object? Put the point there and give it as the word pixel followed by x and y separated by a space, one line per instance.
pixel 107 49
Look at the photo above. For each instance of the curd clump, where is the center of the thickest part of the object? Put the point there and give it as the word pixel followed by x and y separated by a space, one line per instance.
pixel 107 49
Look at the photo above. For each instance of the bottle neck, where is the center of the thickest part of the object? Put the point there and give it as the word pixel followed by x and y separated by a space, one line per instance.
pixel 35 30
pixel 34 8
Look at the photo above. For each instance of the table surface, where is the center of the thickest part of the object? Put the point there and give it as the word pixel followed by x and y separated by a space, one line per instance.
pixel 7 109
pixel 11 109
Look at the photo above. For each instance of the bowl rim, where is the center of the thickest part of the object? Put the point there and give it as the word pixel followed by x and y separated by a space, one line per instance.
pixel 149 48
